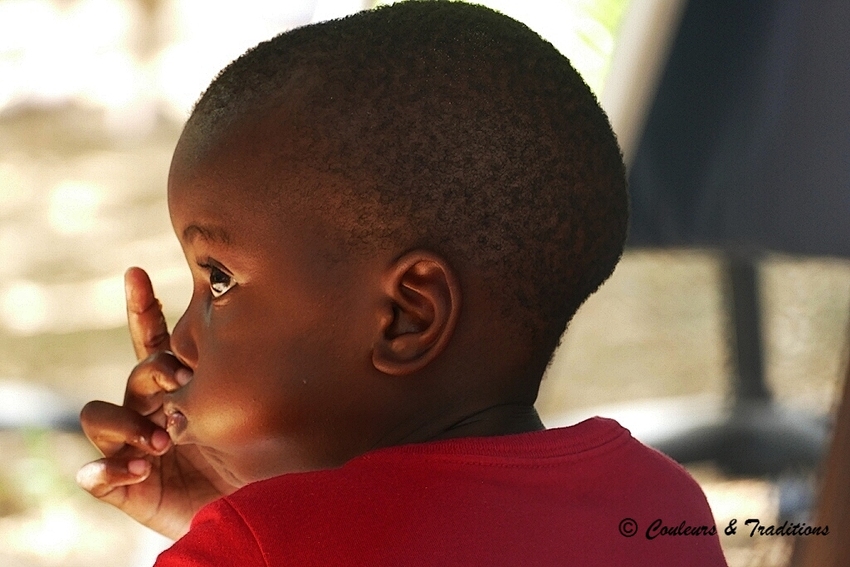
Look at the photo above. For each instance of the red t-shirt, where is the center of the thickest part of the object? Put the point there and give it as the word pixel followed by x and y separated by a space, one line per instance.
pixel 559 497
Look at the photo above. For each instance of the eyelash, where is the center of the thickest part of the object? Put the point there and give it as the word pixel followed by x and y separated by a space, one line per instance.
pixel 220 281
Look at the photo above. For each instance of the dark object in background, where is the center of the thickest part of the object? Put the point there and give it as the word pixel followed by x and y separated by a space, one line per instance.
pixel 747 144
pixel 747 149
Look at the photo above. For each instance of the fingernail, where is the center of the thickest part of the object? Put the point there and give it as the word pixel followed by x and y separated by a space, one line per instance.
pixel 183 376
pixel 160 440
pixel 89 475
pixel 138 467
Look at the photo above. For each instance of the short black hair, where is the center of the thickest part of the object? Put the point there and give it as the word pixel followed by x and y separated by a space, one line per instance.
pixel 476 138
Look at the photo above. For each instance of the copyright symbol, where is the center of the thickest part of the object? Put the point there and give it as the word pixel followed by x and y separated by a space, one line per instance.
pixel 628 527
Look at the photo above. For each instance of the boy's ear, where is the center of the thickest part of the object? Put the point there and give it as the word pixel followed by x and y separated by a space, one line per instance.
pixel 419 313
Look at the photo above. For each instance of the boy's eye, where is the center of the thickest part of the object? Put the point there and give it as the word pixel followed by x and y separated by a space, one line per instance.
pixel 220 282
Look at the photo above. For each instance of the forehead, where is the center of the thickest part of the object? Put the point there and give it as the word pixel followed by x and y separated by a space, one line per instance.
pixel 209 201
pixel 243 192
pixel 227 175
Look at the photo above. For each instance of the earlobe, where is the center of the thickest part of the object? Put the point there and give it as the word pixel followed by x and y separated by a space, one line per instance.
pixel 422 305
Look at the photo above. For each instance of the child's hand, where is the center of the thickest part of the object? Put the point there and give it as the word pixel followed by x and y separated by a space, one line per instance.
pixel 143 474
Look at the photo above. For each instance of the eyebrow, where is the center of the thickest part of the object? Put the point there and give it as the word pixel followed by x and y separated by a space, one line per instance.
pixel 207 232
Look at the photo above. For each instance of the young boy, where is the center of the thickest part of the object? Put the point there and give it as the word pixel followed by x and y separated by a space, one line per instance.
pixel 389 219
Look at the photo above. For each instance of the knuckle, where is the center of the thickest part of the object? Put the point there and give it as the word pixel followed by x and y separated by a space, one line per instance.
pixel 157 339
pixel 149 365
pixel 143 301
pixel 104 438
pixel 157 367
pixel 89 413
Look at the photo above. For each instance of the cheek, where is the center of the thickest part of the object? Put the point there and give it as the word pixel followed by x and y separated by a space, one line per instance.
pixel 255 383
pixel 251 404
pixel 274 384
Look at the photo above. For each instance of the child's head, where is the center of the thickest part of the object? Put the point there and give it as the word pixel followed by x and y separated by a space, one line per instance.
pixel 424 190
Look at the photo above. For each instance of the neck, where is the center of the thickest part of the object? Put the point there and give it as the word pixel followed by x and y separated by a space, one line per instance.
pixel 500 419
pixel 503 419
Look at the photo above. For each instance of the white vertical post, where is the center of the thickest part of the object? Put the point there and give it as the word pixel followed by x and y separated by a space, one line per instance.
pixel 643 44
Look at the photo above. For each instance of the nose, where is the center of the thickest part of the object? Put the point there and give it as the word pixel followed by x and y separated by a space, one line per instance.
pixel 183 343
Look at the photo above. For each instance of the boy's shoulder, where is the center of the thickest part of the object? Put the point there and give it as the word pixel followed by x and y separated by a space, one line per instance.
pixel 539 497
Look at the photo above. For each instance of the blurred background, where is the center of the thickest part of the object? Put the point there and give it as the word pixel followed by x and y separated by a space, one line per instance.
pixel 93 94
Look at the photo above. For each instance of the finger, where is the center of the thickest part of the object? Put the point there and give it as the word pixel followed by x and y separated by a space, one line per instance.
pixel 107 479
pixel 158 373
pixel 111 428
pixel 148 330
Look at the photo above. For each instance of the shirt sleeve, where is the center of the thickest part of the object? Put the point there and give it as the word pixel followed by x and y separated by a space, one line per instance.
pixel 219 537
